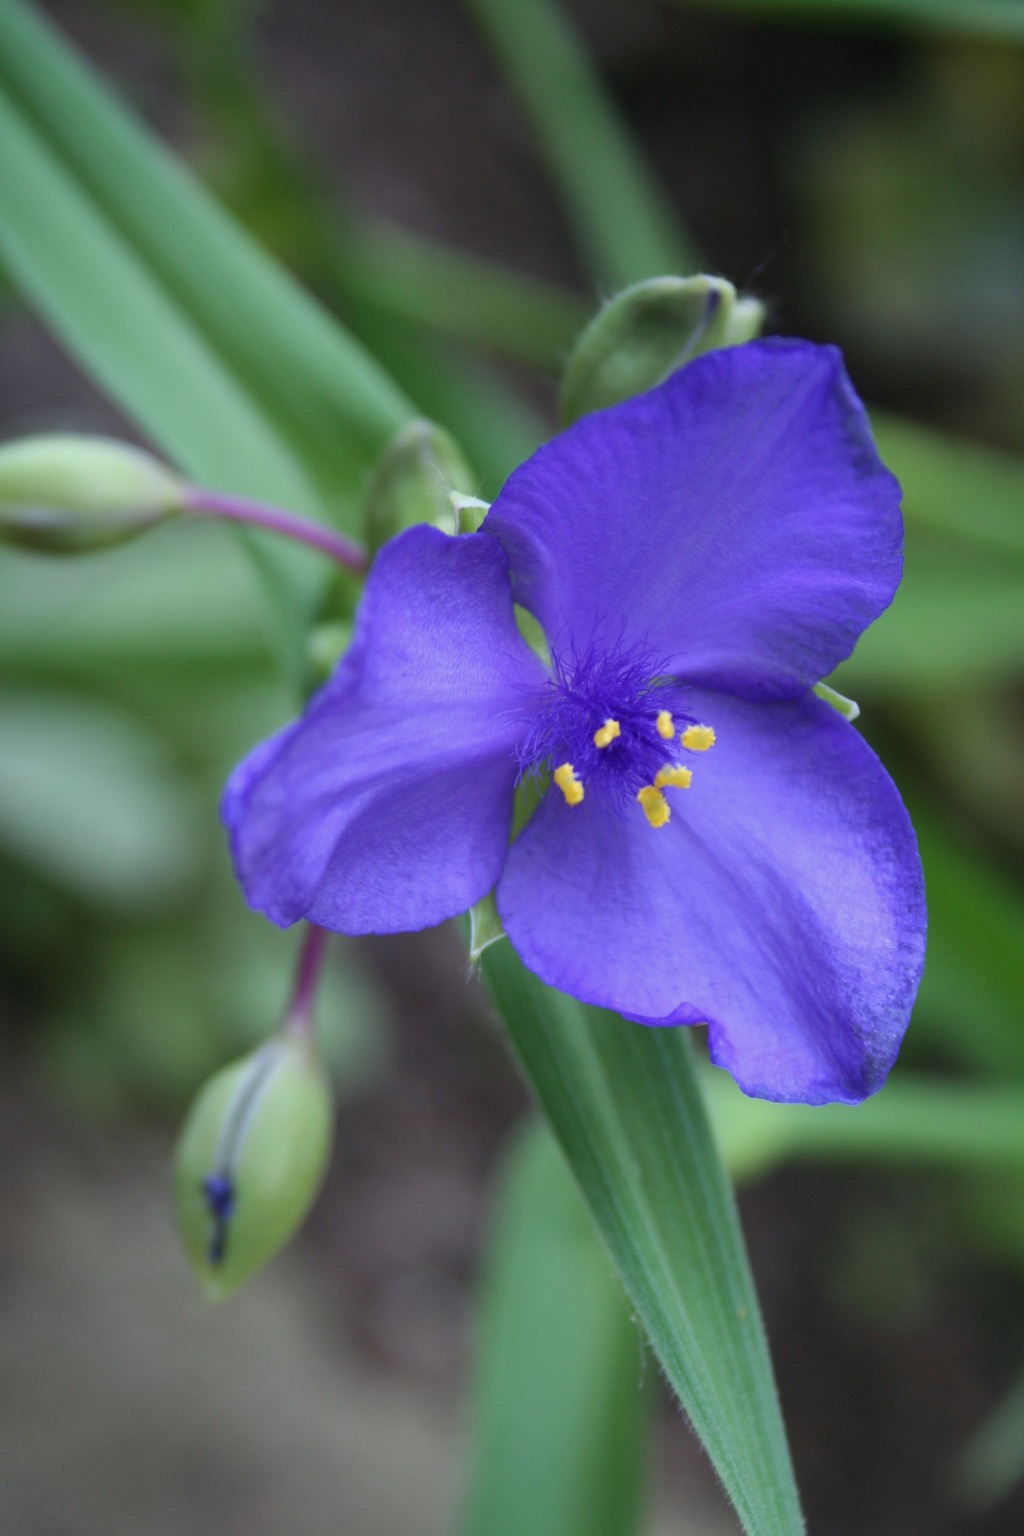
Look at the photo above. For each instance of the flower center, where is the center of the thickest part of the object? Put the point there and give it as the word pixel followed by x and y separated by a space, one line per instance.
pixel 614 724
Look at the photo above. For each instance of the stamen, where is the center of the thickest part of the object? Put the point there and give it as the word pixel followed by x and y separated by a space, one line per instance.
pixel 675 775
pixel 698 738
pixel 606 734
pixel 654 804
pixel 569 784
pixel 664 725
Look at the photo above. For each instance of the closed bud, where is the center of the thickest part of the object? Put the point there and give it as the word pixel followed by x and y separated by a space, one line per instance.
pixel 66 495
pixel 413 482
pixel 745 323
pixel 250 1161
pixel 642 335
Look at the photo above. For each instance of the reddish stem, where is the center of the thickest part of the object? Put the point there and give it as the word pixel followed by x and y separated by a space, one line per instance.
pixel 303 530
pixel 300 1010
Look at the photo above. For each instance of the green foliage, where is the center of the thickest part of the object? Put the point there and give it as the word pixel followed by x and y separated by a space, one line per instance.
pixel 982 18
pixel 626 1108
pixel 557 1434
pixel 624 226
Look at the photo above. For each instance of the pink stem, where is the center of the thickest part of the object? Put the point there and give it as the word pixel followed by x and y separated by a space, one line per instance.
pixel 300 1009
pixel 238 509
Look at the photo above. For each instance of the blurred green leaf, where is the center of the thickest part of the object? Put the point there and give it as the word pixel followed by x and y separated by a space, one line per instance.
pixel 958 617
pixel 624 225
pixel 237 375
pixel 984 18
pixel 182 597
pixel 142 1027
pixel 993 1460
pixel 105 181
pixel 627 1110
pixel 911 1121
pixel 954 486
pixel 461 296
pixel 972 993
pixel 561 1407
pixel 398 291
pixel 88 797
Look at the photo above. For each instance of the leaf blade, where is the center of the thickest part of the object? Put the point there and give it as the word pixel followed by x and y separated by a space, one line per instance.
pixel 558 1432
pixel 625 1105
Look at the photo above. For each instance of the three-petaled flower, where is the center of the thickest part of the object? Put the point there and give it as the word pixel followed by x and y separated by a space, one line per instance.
pixel 712 842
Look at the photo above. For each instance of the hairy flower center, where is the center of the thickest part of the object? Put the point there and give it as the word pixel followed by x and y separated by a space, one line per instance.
pixel 615 725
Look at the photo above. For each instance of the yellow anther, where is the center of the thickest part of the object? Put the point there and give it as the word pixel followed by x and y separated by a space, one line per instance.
pixel 606 734
pixel 664 726
pixel 655 805
pixel 698 738
pixel 569 784
pixel 676 775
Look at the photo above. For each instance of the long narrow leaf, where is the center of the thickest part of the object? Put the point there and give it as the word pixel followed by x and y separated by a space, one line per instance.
pixel 625 1104
pixel 462 296
pixel 557 1446
pixel 106 308
pixel 624 225
pixel 322 389
pixel 914 1122
pixel 982 18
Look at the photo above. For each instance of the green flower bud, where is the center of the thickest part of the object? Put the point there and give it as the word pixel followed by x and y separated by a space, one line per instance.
pixel 250 1161
pixel 66 495
pixel 641 336
pixel 413 481
pixel 745 323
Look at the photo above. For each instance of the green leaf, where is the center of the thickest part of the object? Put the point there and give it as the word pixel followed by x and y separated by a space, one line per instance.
pixel 955 486
pixel 912 1121
pixel 982 18
pixel 561 1406
pixel 625 1105
pixel 993 1460
pixel 461 296
pixel 624 225
pixel 974 974
pixel 106 183
pixel 88 797
pixel 957 619
pixel 180 598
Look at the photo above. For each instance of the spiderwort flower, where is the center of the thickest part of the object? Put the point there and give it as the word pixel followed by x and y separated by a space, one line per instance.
pixel 713 842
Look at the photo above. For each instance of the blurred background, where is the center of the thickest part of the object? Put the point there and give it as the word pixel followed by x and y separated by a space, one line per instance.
pixel 860 170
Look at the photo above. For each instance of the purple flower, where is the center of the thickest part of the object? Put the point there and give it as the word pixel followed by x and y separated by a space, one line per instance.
pixel 712 841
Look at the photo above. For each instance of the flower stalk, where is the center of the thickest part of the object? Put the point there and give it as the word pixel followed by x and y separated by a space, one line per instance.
pixel 299 1018
pixel 302 530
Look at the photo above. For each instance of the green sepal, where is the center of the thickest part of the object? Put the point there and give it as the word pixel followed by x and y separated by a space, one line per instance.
pixel 484 927
pixel 264 1125
pixel 848 708
pixel 64 494
pixel 745 322
pixel 412 482
pixel 468 512
pixel 642 335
